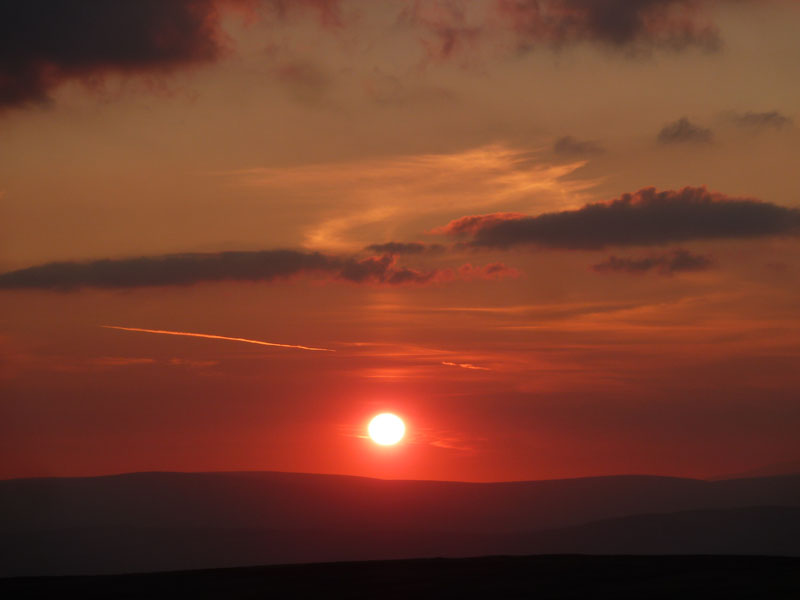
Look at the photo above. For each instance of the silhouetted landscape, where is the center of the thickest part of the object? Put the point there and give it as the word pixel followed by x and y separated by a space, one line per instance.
pixel 174 521
pixel 399 299
pixel 544 577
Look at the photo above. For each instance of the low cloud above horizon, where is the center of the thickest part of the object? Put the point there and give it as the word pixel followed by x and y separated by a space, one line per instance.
pixel 254 266
pixel 677 261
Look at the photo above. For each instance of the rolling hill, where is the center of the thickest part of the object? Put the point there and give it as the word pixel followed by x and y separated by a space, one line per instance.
pixel 166 521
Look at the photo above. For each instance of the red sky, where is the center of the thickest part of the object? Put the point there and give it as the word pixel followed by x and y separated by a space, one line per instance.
pixel 557 245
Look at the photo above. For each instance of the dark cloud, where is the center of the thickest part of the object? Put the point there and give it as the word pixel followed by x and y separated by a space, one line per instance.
pixel 255 266
pixel 618 23
pixel 406 248
pixel 170 269
pixel 761 120
pixel 684 130
pixel 644 218
pixel 383 269
pixel 665 264
pixel 569 146
pixel 475 223
pixel 187 269
pixel 43 43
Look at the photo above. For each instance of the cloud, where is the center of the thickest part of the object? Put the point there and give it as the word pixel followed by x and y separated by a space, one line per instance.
pixel 406 248
pixel 452 29
pixel 664 264
pixel 44 43
pixel 684 131
pixel 675 24
pixel 349 205
pixel 459 29
pixel 762 120
pixel 473 224
pixel 121 361
pixel 569 146
pixel 254 266
pixel 170 269
pixel 467 366
pixel 383 270
pixel 126 361
pixel 644 218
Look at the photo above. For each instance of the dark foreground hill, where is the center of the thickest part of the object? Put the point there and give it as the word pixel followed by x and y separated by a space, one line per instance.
pixel 540 577
pixel 773 531
pixel 171 521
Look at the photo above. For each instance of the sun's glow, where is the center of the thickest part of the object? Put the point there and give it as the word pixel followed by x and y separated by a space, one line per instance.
pixel 386 429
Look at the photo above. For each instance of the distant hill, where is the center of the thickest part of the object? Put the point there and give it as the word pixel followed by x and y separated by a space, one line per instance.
pixel 783 468
pixel 162 521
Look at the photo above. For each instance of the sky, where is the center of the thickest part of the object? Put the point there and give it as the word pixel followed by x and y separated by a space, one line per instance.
pixel 559 238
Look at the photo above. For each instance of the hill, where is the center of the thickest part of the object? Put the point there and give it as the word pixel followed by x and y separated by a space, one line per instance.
pixel 165 521
pixel 541 577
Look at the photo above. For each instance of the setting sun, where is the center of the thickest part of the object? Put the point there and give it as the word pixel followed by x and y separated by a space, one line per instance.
pixel 386 429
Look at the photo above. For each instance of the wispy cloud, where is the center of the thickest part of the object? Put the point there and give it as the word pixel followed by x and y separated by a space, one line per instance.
pixel 121 361
pixel 217 337
pixel 684 131
pixel 668 263
pixel 361 201
pixel 468 366
pixel 570 146
pixel 762 120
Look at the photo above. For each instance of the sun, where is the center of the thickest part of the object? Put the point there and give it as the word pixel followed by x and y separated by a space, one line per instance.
pixel 386 429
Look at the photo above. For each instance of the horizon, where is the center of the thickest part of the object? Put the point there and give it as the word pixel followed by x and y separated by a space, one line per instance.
pixel 726 477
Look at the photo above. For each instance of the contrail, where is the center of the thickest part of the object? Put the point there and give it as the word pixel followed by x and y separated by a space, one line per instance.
pixel 217 337
pixel 465 366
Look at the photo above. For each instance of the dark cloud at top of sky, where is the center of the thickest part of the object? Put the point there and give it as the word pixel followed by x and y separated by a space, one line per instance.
pixel 669 263
pixel 43 43
pixel 618 23
pixel 684 131
pixel 569 146
pixel 645 218
pixel 406 248
pixel 761 120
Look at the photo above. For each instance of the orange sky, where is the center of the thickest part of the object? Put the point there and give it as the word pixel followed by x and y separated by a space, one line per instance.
pixel 454 197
